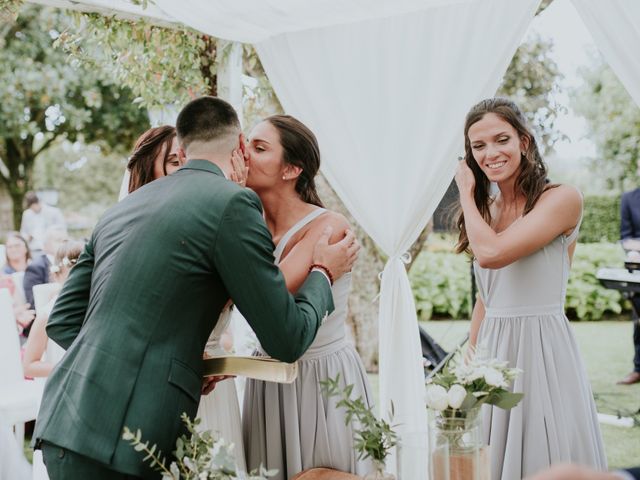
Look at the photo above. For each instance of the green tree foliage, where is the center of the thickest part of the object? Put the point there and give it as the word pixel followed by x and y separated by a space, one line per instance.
pixel 43 97
pixel 160 65
pixel 532 81
pixel 86 178
pixel 613 124
pixel 164 65
pixel 601 221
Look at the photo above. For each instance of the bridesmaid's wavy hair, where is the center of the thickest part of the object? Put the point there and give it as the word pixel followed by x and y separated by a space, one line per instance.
pixel 300 148
pixel 532 177
pixel 147 148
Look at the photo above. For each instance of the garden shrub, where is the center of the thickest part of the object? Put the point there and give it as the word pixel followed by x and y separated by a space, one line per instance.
pixel 601 221
pixel 442 283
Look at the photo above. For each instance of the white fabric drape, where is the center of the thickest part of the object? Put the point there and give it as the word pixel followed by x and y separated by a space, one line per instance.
pixel 615 27
pixel 385 86
pixel 387 99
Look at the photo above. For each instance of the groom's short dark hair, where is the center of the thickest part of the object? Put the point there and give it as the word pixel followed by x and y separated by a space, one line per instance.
pixel 206 119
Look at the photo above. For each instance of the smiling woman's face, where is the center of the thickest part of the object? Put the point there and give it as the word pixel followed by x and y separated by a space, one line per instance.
pixel 496 147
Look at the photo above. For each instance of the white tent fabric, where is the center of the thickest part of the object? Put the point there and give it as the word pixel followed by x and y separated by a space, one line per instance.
pixel 615 27
pixel 386 96
pixel 385 86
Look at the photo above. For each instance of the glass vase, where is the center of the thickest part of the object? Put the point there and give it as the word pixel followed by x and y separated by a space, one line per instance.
pixel 378 472
pixel 457 449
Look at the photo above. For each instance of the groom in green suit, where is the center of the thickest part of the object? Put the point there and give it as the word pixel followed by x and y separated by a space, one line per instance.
pixel 138 307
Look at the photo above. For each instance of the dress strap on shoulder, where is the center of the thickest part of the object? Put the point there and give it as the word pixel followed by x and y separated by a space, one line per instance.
pixel 293 230
pixel 574 234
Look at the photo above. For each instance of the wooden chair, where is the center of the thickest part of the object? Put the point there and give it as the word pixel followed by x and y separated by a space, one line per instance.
pixel 324 474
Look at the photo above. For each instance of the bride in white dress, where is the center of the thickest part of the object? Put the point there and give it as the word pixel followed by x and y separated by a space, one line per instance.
pixel 219 410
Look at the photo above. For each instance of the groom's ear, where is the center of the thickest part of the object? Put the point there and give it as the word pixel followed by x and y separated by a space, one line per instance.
pixel 242 144
pixel 182 156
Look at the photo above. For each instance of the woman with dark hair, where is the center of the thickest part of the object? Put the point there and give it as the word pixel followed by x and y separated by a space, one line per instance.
pixel 154 155
pixel 294 427
pixel 522 240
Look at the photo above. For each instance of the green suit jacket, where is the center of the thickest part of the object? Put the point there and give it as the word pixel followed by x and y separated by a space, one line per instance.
pixel 137 309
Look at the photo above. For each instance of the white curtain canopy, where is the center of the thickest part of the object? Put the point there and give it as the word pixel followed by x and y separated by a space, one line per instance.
pixel 385 87
pixel 615 27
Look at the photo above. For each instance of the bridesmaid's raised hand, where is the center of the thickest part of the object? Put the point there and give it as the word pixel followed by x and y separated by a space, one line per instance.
pixel 465 180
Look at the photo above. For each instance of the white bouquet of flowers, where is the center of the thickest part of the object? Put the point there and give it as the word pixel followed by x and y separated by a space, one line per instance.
pixel 464 387
pixel 467 386
pixel 455 395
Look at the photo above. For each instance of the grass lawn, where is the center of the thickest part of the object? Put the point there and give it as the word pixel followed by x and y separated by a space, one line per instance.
pixel 607 349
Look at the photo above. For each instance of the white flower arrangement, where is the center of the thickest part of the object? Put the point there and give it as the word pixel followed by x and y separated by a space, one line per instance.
pixel 466 386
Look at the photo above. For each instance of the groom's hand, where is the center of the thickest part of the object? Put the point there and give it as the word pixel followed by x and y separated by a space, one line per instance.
pixel 339 257
pixel 209 383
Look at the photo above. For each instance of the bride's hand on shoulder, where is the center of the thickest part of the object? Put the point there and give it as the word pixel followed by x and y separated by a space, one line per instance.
pixel 240 171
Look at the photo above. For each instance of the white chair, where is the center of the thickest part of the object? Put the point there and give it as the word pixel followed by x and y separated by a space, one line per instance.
pixel 18 295
pixel 19 398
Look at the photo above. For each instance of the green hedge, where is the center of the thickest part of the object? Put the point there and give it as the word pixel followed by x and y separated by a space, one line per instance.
pixel 601 222
pixel 442 284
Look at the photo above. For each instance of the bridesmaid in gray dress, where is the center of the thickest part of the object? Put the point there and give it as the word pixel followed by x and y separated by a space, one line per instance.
pixel 522 241
pixel 295 427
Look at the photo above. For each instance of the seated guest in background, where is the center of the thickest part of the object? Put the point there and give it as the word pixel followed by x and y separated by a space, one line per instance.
pixel 154 155
pixel 37 272
pixel 37 218
pixel 17 252
pixel 18 258
pixel 629 233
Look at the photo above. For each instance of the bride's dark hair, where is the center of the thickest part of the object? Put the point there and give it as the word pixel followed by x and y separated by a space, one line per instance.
pixel 532 177
pixel 300 148
pixel 147 148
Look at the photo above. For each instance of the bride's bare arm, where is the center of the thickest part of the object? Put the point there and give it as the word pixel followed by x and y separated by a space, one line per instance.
pixel 556 212
pixel 295 265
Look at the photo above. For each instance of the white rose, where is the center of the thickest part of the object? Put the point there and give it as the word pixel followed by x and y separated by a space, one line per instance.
pixel 476 373
pixel 437 398
pixel 456 396
pixel 494 377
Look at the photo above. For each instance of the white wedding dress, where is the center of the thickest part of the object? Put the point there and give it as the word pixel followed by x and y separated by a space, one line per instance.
pixel 220 411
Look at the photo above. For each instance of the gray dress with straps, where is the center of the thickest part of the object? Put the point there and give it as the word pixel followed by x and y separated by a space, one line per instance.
pixel 525 324
pixel 295 427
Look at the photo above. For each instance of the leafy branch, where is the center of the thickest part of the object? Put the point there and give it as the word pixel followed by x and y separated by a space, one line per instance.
pixel 374 437
pixel 197 457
